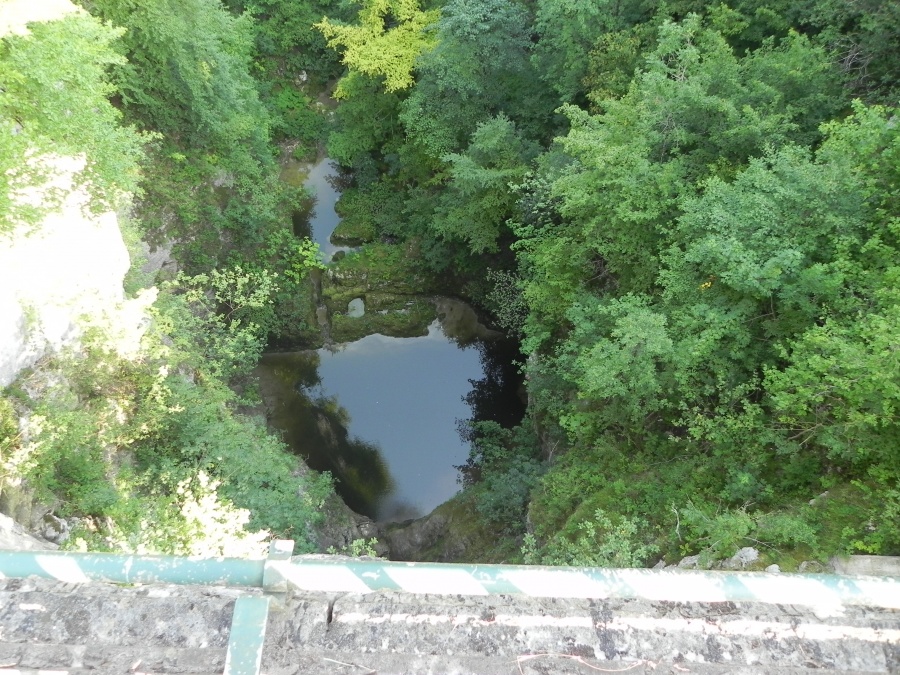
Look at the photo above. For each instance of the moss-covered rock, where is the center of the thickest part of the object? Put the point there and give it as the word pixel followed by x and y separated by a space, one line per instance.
pixel 407 318
pixel 353 232
pixel 451 533
pixel 395 294
pixel 377 267
pixel 363 214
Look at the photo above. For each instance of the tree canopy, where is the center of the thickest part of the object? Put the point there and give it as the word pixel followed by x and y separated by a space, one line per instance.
pixel 55 102
pixel 686 212
pixel 695 249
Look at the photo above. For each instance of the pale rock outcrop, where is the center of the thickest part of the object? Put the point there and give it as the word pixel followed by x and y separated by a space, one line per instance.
pixel 66 272
pixel 62 275
pixel 17 14
pixel 15 537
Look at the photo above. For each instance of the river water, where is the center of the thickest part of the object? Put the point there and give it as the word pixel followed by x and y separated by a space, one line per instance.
pixel 382 413
pixel 322 179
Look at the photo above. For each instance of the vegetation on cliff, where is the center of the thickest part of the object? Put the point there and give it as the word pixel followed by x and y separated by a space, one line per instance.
pixel 687 212
pixel 148 450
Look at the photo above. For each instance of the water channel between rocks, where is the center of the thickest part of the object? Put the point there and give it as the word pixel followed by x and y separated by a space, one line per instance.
pixel 382 413
pixel 321 178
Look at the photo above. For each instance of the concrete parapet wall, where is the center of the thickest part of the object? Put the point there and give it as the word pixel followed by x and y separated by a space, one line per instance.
pixel 873 565
pixel 159 628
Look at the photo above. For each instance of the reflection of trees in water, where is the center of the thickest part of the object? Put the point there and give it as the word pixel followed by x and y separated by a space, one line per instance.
pixel 301 218
pixel 340 180
pixel 495 397
pixel 363 478
pixel 295 370
pixel 316 426
pixel 398 512
pixel 332 411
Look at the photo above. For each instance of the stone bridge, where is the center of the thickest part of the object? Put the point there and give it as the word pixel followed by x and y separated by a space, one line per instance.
pixel 83 613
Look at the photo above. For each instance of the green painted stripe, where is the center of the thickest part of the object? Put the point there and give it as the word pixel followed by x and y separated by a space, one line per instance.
pixel 114 568
pixel 248 635
pixel 375 577
pixel 361 576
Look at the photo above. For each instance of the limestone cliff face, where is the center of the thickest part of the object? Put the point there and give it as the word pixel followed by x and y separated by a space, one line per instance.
pixel 17 14
pixel 66 272
pixel 57 278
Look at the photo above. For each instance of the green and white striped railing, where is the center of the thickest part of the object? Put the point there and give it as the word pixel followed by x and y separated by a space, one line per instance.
pixel 281 573
pixel 563 582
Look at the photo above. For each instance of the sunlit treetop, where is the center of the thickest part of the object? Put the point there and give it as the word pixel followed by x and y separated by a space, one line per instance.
pixel 390 36
pixel 54 103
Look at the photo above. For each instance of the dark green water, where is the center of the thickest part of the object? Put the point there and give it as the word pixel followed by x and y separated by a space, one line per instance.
pixel 382 414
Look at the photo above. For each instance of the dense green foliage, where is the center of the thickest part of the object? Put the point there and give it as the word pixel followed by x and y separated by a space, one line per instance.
pixel 151 451
pixel 197 91
pixel 698 250
pixel 687 212
pixel 54 104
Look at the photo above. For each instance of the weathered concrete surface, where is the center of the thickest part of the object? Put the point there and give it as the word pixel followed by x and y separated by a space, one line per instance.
pixel 875 565
pixel 101 628
pixel 390 632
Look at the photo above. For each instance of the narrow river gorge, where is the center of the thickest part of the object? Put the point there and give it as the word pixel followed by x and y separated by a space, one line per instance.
pixel 383 413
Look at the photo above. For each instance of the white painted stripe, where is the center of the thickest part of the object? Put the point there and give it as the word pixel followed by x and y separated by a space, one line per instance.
pixel 673 586
pixel 793 590
pixel 544 583
pixel 704 626
pixel 399 618
pixel 431 580
pixel 885 592
pixel 320 577
pixel 513 621
pixel 542 621
pixel 768 629
pixel 60 567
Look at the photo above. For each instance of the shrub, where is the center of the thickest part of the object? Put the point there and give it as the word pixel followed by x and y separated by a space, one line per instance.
pixel 601 541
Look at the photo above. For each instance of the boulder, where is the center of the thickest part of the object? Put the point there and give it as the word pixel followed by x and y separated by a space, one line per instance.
pixel 741 559
pixel 690 562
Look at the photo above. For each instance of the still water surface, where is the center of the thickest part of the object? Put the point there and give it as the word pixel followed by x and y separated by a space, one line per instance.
pixel 382 413
pixel 322 178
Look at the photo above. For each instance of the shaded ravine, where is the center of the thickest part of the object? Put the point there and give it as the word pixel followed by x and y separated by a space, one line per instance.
pixel 319 220
pixel 382 413
pixel 316 220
